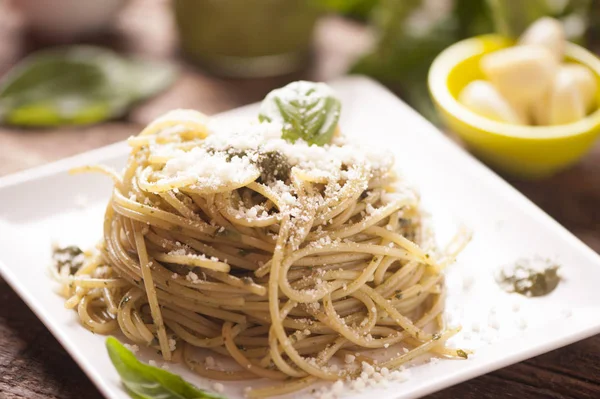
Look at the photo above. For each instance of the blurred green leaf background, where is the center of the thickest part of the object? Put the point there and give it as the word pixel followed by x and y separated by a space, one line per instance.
pixel 411 33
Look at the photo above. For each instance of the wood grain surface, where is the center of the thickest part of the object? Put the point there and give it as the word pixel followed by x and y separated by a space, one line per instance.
pixel 32 363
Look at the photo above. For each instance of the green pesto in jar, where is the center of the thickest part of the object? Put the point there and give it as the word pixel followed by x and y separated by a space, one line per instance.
pixel 246 37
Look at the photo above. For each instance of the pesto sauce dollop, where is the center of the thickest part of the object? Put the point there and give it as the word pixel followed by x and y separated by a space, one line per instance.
pixel 530 277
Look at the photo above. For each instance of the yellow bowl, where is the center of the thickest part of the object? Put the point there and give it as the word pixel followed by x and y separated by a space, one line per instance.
pixel 524 151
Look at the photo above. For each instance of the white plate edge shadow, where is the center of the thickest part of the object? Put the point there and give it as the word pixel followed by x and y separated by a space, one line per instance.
pixel 489 177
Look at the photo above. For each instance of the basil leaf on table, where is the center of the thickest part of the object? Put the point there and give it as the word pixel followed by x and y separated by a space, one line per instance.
pixel 77 85
pixel 307 110
pixel 147 382
pixel 148 77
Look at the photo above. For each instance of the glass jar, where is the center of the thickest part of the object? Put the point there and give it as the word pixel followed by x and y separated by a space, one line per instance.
pixel 246 38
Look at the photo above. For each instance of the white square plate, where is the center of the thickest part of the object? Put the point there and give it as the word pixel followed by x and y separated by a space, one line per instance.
pixel 43 205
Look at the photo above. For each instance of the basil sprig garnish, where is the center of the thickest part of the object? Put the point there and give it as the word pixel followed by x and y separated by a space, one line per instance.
pixel 307 110
pixel 77 85
pixel 147 382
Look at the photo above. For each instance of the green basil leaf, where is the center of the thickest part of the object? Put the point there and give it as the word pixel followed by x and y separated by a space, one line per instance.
pixel 307 110
pixel 149 77
pixel 76 85
pixel 147 382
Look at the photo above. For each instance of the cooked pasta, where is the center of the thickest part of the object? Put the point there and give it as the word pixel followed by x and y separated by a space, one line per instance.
pixel 282 256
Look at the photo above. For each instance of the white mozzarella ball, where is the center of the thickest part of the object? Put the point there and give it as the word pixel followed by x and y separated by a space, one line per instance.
pixel 547 32
pixel 482 98
pixel 521 73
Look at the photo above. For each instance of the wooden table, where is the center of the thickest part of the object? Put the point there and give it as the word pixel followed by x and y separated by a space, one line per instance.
pixel 32 363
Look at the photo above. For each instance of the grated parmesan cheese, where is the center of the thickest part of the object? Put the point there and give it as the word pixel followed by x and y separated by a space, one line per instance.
pixel 370 209
pixel 370 376
pixel 209 362
pixel 228 157
pixel 209 171
pixel 337 388
pixel 178 252
pixel 218 387
pixel 132 348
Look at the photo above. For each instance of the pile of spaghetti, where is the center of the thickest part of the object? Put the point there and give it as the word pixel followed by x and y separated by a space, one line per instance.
pixel 280 255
